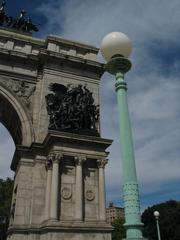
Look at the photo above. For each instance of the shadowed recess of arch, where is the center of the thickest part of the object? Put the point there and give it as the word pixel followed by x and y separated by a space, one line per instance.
pixel 10 119
pixel 15 117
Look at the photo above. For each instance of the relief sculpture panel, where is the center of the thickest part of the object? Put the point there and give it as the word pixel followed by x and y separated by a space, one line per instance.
pixel 22 89
pixel 72 109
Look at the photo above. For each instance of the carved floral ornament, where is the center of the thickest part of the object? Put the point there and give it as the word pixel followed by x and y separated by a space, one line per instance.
pixel 79 160
pixel 55 157
pixel 48 165
pixel 102 162
pixel 21 88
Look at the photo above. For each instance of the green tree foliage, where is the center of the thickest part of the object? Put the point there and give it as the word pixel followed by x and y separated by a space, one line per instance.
pixel 6 188
pixel 119 230
pixel 169 221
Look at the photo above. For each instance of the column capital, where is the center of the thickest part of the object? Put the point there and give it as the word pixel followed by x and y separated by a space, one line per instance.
pixel 55 157
pixel 48 164
pixel 79 160
pixel 102 162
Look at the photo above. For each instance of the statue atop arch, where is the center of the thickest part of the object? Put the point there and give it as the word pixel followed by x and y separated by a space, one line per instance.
pixel 20 23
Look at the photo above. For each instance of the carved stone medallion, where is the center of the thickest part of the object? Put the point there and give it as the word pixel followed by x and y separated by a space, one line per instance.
pixel 89 195
pixel 66 193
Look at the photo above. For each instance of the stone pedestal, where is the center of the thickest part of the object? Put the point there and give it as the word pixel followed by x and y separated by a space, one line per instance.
pixel 67 196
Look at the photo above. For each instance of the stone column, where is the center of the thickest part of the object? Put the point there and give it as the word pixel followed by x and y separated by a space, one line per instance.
pixel 48 188
pixel 55 186
pixel 102 198
pixel 79 188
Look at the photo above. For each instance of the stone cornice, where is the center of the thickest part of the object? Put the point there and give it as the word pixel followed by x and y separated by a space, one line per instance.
pixel 54 138
pixel 10 34
pixel 70 43
pixel 73 61
pixel 16 76
pixel 72 138
pixel 54 49
pixel 41 43
pixel 18 55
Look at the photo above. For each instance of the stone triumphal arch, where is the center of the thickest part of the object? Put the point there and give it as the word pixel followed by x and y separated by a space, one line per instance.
pixel 49 102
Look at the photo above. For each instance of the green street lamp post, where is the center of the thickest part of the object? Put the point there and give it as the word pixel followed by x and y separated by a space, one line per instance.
pixel 156 215
pixel 116 48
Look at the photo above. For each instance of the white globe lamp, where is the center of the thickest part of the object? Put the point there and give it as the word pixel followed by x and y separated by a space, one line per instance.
pixel 156 214
pixel 115 43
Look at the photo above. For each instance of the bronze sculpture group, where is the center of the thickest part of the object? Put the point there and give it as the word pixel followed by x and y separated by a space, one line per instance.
pixel 72 109
pixel 19 23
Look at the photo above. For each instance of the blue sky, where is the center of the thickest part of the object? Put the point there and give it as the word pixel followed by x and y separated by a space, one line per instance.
pixel 153 84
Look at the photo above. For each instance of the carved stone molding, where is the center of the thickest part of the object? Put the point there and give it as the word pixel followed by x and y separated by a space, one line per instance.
pixel 21 88
pixel 55 157
pixel 66 193
pixel 102 162
pixel 79 160
pixel 89 194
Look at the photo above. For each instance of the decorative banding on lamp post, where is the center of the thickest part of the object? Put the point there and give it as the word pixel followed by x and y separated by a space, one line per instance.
pixel 116 48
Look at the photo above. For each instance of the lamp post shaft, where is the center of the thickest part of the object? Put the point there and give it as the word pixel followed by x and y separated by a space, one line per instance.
pixel 130 187
pixel 116 48
pixel 158 230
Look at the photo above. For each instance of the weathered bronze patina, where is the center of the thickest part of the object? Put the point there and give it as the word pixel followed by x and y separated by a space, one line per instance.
pixel 72 109
pixel 19 23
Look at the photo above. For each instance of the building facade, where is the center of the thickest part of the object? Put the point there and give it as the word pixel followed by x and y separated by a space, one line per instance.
pixel 113 212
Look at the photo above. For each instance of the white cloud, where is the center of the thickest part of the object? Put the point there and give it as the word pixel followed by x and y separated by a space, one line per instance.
pixel 90 20
pixel 153 95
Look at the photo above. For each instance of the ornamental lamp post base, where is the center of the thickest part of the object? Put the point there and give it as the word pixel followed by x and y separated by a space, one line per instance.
pixel 135 233
pixel 135 238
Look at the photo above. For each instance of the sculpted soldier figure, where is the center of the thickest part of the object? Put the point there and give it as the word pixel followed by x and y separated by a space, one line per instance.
pixel 2 6
pixel 20 23
pixel 29 26
pixel 3 16
pixel 72 108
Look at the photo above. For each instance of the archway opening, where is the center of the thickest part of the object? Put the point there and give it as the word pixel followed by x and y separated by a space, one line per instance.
pixel 16 117
pixel 10 135
pixel 10 119
pixel 7 148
